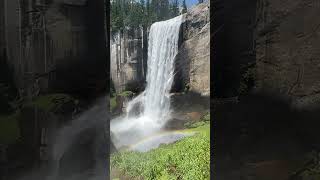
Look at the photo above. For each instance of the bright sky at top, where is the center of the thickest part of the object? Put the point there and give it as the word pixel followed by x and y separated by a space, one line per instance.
pixel 190 3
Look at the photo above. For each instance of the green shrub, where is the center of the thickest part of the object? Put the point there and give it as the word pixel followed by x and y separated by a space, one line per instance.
pixel 205 119
pixel 312 172
pixel 113 103
pixel 126 94
pixel 51 101
pixel 187 159
pixel 9 129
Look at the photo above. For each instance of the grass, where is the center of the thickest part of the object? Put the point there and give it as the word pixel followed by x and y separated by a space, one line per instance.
pixel 187 159
pixel 9 128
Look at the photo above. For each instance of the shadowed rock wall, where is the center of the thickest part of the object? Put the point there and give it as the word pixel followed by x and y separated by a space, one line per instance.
pixel 288 49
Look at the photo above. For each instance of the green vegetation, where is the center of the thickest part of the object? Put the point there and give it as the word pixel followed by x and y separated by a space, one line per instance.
pixel 133 14
pixel 9 128
pixel 313 171
pixel 126 94
pixel 205 119
pixel 187 159
pixel 51 102
pixel 184 6
pixel 113 99
pixel 113 103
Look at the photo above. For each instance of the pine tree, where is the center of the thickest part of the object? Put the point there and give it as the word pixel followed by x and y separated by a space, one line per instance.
pixel 174 8
pixel 160 9
pixel 184 7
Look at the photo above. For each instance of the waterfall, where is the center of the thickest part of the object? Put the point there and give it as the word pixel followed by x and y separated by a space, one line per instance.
pixel 147 113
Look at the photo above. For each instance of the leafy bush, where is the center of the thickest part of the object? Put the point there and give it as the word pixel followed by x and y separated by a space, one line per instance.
pixel 51 101
pixel 187 159
pixel 9 129
pixel 126 93
pixel 113 103
pixel 312 172
pixel 203 121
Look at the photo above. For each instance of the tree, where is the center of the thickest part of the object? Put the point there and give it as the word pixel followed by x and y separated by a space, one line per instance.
pixel 184 6
pixel 132 14
pixel 161 9
pixel 135 16
pixel 200 1
pixel 174 8
pixel 116 16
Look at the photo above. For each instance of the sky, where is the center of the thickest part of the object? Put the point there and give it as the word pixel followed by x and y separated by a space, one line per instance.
pixel 190 3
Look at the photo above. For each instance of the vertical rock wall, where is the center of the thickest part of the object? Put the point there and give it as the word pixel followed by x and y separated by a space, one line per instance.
pixel 2 31
pixel 288 48
pixel 193 59
pixel 127 59
pixel 51 46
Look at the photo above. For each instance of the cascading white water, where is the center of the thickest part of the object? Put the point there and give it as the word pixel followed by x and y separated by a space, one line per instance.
pixel 154 102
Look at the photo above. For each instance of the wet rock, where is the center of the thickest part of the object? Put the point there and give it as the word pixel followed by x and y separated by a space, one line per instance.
pixel 175 124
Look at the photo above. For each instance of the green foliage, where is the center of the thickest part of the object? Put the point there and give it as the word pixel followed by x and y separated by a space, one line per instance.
pixel 113 104
pixel 174 8
pixel 133 14
pixel 203 121
pixel 126 93
pixel 206 117
pixel 51 101
pixel 187 159
pixel 113 99
pixel 9 128
pixel 125 13
pixel 184 6
pixel 161 9
pixel 312 172
pixel 195 125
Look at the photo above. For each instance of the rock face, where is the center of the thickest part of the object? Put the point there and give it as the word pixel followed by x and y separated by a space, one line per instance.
pixel 2 32
pixel 193 59
pixel 49 44
pixel 288 48
pixel 127 59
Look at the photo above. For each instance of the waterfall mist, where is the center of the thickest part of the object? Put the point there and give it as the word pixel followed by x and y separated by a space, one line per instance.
pixel 147 113
pixel 80 148
pixel 88 129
